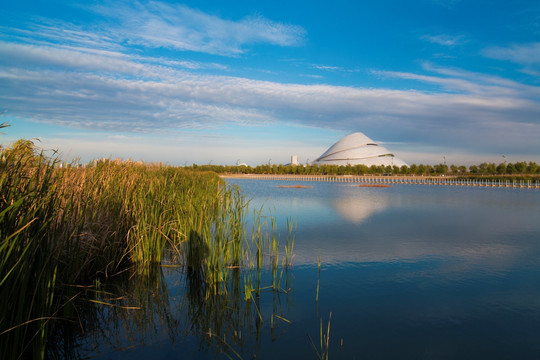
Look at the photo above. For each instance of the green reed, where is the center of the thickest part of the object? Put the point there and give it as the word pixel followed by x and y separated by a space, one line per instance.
pixel 28 271
pixel 324 338
pixel 67 225
pixel 219 242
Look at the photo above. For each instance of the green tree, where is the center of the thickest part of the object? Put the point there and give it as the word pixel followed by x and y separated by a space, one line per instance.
pixel 491 168
pixel 482 168
pixel 441 169
pixel 521 167
pixel 332 169
pixel 533 168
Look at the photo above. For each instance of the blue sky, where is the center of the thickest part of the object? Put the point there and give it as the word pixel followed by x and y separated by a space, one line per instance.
pixel 223 82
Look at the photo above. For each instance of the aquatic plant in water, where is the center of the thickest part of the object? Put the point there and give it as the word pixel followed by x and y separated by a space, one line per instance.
pixel 63 228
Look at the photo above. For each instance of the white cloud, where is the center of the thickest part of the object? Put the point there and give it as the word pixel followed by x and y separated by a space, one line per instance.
pixel 156 24
pixel 445 40
pixel 160 98
pixel 328 67
pixel 69 58
pixel 89 85
pixel 522 54
pixel 462 81
pixel 45 31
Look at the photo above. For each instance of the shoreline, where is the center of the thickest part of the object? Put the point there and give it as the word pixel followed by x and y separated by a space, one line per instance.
pixel 293 176
pixel 394 179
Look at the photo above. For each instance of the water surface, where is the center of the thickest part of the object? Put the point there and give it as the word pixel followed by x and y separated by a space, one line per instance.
pixel 415 271
pixel 408 272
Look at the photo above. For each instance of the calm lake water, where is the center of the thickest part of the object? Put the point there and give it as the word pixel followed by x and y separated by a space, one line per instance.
pixel 408 272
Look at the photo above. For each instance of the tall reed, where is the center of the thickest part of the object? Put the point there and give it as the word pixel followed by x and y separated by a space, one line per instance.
pixel 68 225
pixel 28 270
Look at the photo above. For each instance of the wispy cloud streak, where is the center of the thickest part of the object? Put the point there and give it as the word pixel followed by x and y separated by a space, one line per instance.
pixel 521 54
pixel 109 91
pixel 445 40
pixel 92 81
pixel 155 24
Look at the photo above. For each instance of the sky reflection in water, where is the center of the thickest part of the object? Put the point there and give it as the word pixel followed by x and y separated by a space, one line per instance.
pixel 408 272
pixel 417 271
pixel 345 223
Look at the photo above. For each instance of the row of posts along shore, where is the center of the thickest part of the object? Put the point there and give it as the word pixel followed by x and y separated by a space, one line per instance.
pixel 390 180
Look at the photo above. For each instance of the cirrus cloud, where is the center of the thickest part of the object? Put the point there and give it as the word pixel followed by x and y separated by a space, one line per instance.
pixel 156 24
pixel 108 77
pixel 121 93
pixel 521 54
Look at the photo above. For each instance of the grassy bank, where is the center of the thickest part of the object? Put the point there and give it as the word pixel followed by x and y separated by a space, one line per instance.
pixel 64 227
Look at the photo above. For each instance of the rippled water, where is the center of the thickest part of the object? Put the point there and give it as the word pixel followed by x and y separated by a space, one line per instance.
pixel 418 271
pixel 409 271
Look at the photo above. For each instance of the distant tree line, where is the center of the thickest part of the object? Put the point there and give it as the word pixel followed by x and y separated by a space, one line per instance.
pixel 491 169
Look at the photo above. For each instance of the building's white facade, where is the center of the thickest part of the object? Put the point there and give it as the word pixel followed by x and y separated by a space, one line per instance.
pixel 358 149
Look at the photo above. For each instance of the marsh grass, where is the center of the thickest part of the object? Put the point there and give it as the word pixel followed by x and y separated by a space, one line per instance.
pixel 66 226
pixel 169 304
pixel 324 340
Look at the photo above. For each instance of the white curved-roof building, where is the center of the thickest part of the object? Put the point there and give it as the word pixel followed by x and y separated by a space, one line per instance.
pixel 358 149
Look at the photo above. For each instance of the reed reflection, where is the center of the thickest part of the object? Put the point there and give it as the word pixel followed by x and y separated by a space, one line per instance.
pixel 173 306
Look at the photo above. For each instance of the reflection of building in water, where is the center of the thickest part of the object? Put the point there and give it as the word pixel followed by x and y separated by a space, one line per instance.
pixel 358 149
pixel 359 207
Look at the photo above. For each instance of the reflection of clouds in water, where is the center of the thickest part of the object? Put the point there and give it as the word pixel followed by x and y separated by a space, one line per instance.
pixel 359 207
pixel 469 229
pixel 385 240
pixel 468 234
pixel 307 211
pixel 350 203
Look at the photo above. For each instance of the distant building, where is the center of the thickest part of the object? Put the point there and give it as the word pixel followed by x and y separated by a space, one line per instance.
pixel 358 149
pixel 294 160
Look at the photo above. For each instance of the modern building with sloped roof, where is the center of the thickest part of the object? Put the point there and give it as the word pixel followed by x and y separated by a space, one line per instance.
pixel 358 149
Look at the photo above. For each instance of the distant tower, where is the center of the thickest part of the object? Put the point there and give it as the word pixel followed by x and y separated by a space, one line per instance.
pixel 294 160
